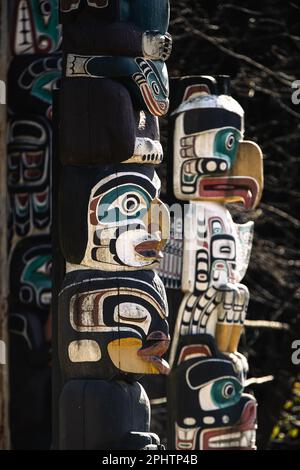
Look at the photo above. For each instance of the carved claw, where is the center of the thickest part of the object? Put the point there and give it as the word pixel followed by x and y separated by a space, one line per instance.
pixel 156 46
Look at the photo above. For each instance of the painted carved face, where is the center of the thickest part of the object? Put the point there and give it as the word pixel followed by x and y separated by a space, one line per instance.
pixel 36 27
pixel 217 253
pixel 128 225
pixel 147 80
pixel 28 174
pixel 215 414
pixel 30 277
pixel 210 159
pixel 117 324
pixel 218 250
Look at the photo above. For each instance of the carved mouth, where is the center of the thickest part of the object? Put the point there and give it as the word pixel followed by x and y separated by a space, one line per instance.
pixel 239 437
pixel 156 346
pixel 150 249
pixel 243 188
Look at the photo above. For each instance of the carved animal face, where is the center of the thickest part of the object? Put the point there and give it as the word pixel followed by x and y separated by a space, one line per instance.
pixel 211 160
pixel 128 225
pixel 117 322
pixel 215 414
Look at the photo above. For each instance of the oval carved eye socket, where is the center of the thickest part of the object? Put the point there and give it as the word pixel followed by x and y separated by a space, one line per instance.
pixel 45 7
pixel 228 390
pixel 220 393
pixel 131 203
pixel 230 141
pixel 155 88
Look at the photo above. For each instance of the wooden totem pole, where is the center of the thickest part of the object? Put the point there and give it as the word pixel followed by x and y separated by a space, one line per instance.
pixel 112 308
pixel 213 166
pixel 34 71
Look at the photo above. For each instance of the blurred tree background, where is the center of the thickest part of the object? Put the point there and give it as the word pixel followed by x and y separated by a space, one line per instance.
pixel 258 44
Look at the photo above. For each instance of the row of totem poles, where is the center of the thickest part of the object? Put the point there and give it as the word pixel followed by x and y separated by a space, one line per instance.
pixel 126 255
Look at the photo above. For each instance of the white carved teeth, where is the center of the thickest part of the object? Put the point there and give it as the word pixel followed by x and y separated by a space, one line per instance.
pixel 245 439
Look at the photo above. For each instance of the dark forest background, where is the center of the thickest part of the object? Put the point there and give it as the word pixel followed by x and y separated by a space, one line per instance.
pixel 257 43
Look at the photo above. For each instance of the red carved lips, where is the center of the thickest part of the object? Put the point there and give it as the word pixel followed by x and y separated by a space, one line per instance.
pixel 149 249
pixel 230 186
pixel 157 344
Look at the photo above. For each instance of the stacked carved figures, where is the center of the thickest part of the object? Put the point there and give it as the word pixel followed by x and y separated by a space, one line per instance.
pixel 34 71
pixel 112 308
pixel 213 166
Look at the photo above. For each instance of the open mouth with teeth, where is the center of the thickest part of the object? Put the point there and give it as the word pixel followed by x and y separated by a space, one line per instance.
pixel 232 187
pixel 239 437
pixel 156 346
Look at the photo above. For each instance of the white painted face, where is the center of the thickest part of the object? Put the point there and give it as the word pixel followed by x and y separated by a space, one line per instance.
pixel 207 133
pixel 128 225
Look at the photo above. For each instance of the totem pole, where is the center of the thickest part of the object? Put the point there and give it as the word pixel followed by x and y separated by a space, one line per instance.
pixel 213 166
pixel 34 71
pixel 112 308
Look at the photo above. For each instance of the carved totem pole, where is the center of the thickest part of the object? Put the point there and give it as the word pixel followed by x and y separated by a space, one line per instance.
pixel 34 70
pixel 213 166
pixel 112 307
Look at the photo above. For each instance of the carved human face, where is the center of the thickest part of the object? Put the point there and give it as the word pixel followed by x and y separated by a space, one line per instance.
pixel 210 158
pixel 36 27
pixel 117 323
pixel 128 225
pixel 215 414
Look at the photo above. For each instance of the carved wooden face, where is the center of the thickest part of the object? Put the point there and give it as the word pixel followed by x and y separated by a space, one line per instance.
pixel 128 225
pixel 209 155
pixel 215 414
pixel 217 253
pixel 217 250
pixel 117 324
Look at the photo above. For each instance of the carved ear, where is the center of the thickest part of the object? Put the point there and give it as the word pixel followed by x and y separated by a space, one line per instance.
pixel 249 163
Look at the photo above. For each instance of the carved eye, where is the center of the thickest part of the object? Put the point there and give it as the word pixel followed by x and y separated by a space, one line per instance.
pixel 228 390
pixel 131 203
pixel 155 88
pixel 219 394
pixel 230 141
pixel 45 268
pixel 45 7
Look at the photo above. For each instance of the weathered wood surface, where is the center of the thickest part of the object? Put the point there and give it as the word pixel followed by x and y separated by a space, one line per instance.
pixel 4 384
